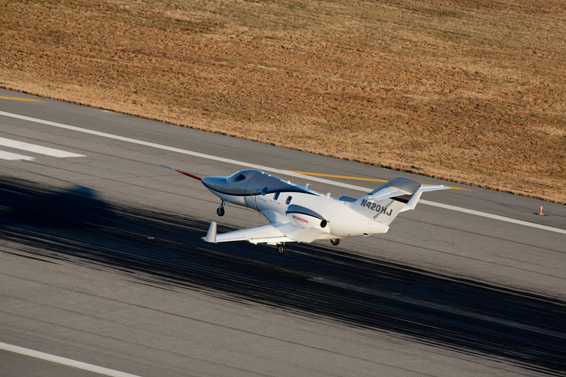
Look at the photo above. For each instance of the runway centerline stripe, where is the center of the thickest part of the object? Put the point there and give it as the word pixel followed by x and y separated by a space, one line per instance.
pixel 37 148
pixel 272 170
pixel 14 156
pixel 63 361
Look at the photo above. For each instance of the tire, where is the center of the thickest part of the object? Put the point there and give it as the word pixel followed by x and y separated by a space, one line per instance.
pixel 281 249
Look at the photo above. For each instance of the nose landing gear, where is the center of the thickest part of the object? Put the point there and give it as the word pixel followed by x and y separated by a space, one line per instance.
pixel 220 210
pixel 335 241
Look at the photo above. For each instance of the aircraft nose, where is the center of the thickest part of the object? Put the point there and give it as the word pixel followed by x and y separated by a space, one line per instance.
pixel 215 183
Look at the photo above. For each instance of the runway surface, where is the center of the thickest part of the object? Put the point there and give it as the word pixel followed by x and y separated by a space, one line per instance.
pixel 101 263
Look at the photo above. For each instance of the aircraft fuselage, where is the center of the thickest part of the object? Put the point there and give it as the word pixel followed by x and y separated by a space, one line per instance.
pixel 283 201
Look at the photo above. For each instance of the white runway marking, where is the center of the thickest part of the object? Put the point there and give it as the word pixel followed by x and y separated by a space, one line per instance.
pixel 37 148
pixel 64 361
pixel 491 216
pixel 14 156
pixel 272 170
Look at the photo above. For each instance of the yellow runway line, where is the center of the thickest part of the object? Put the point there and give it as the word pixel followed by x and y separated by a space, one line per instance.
pixel 357 178
pixel 339 176
pixel 21 99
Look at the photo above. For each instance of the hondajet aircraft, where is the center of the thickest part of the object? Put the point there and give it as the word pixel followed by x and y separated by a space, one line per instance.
pixel 299 214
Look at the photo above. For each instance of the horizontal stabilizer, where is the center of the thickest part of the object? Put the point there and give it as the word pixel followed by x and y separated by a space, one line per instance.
pixel 389 192
pixel 415 199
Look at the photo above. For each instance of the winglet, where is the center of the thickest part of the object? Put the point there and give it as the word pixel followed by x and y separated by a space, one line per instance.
pixel 211 235
pixel 182 172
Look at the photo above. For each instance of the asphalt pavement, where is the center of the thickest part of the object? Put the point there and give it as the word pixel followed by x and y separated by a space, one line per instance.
pixel 102 265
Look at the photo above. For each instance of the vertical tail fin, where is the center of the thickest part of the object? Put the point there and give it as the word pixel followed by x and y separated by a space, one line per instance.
pixel 385 202
pixel 388 200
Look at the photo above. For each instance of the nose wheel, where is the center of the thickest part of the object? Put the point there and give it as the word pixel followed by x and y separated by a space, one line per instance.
pixel 281 249
pixel 220 210
pixel 335 241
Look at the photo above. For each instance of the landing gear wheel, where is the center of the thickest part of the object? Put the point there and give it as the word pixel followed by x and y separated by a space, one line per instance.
pixel 220 211
pixel 281 249
pixel 335 241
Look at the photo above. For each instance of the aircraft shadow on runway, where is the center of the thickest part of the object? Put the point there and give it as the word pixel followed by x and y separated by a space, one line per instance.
pixel 164 250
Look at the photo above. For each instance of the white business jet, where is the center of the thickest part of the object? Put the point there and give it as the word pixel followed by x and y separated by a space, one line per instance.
pixel 299 214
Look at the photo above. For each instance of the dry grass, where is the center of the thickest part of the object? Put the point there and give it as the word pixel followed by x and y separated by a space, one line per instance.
pixel 468 90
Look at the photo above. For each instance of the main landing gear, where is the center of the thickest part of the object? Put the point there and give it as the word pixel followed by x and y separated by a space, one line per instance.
pixel 281 248
pixel 335 241
pixel 220 210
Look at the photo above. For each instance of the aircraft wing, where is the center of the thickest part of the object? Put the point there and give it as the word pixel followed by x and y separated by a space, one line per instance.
pixel 272 234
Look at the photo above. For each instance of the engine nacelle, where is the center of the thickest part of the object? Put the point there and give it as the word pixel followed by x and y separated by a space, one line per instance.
pixel 304 221
pixel 305 218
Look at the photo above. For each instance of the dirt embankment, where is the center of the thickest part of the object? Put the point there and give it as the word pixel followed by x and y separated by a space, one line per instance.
pixel 468 90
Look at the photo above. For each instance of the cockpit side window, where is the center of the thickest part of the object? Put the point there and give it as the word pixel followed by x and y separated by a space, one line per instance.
pixel 237 178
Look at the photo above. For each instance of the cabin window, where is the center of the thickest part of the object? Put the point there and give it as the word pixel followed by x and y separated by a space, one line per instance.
pixel 288 201
pixel 238 178
pixel 276 195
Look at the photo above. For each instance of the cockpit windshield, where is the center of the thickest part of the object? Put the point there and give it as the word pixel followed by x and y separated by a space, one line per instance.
pixel 237 177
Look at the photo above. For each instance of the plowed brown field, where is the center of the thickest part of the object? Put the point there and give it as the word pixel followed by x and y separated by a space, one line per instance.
pixel 472 91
